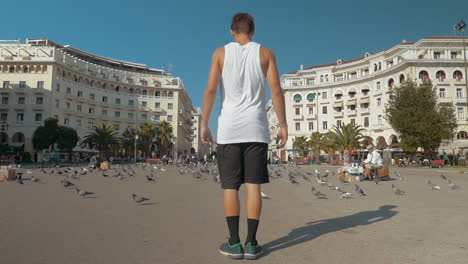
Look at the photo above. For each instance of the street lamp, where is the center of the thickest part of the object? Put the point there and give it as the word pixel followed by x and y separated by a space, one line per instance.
pixel 318 125
pixel 461 27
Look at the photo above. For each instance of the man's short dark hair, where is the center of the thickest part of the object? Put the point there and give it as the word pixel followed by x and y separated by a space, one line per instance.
pixel 243 23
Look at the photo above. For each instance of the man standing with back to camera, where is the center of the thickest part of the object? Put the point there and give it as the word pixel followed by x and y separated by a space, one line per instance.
pixel 242 68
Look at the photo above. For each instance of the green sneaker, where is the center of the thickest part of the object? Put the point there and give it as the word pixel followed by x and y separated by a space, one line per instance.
pixel 253 252
pixel 233 251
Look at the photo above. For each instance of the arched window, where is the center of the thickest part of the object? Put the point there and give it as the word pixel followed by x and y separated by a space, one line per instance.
pixel 104 86
pixel 423 75
pixel 338 95
pixel 375 67
pixel 170 94
pixel 311 96
pixel 157 94
pixel 91 83
pixel 130 90
pixel 297 98
pixel 391 82
pixel 44 68
pixel 457 75
pixel 440 75
pixel 3 138
pixel 117 88
pixel 380 66
pixel 402 78
pixel 144 92
pixel 462 135
pixel 18 137
pixel 25 69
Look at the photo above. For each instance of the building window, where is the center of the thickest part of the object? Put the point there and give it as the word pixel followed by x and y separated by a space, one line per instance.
pixel 38 117
pixel 57 103
pixel 19 116
pixel 325 125
pixel 90 124
pixel 144 104
pixel 436 55
pixel 324 110
pixel 117 127
pixel 338 123
pixel 460 113
pixel 297 98
pixel 423 75
pixel 130 91
pixel 4 100
pixel 104 112
pixel 78 123
pixel 353 121
pixel 457 75
pixel 130 115
pixel 67 105
pixel 459 93
pixel 379 101
pixel 311 126
pixel 79 93
pixel 297 111
pixel 442 93
pixel 453 55
pixel 66 121
pixel 440 75
pixel 391 82
pixel 298 126
pixel 104 99
pixel 6 84
pixel 40 84
pixel 169 106
pixel 462 135
pixel 11 69
pixel 157 105
pixel 91 96
pixel 91 110
pixel 157 117
pixel 143 116
pixel 311 110
pixel 379 120
pixel 117 100
pixel 377 85
pixel 366 121
pixel 169 118
pixel 21 100
pixel 68 90
pixel 22 84
pixel 130 102
pixel 4 116
pixel 117 114
pixel 170 94
pixel 57 87
pixel 39 100
pixel 78 108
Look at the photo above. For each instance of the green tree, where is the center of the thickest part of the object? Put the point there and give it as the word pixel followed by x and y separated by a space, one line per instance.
pixel 103 138
pixel 301 144
pixel 316 141
pixel 51 133
pixel 127 141
pixel 328 144
pixel 164 136
pixel 66 138
pixel 346 137
pixel 147 133
pixel 414 113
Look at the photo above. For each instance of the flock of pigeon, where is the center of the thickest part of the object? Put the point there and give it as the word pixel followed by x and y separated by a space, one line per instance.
pixel 71 175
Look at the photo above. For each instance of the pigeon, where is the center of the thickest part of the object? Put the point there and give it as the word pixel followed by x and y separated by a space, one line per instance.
pixel 139 199
pixel 453 186
pixel 83 193
pixel 197 175
pixel 346 195
pixel 397 191
pixel 34 179
pixel 66 183
pixel 331 186
pixel 443 177
pixel 105 174
pixel 320 195
pixel 264 196
pixel 162 169
pixel 359 190
pixel 19 179
pixel 398 175
pixel 150 179
pixel 377 179
pixel 433 187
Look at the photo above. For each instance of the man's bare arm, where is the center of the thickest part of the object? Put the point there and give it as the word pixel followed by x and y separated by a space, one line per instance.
pixel 210 96
pixel 277 96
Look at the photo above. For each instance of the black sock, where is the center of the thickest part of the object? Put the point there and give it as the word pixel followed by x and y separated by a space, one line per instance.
pixel 252 226
pixel 233 225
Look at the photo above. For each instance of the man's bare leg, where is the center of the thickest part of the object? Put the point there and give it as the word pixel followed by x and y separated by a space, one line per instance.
pixel 232 212
pixel 254 208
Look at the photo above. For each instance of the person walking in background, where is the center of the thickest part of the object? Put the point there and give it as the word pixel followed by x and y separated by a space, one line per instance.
pixel 242 68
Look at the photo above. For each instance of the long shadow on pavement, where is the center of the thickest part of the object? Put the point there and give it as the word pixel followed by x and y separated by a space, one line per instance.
pixel 315 229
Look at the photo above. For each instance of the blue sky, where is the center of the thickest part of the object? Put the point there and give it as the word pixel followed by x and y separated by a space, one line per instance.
pixel 185 33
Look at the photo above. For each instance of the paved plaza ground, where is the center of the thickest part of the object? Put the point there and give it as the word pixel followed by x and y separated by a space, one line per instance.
pixel 183 222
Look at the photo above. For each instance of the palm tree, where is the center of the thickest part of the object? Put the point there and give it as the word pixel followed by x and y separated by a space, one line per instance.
pixel 103 138
pixel 316 141
pixel 146 136
pixel 300 143
pixel 347 137
pixel 164 136
pixel 127 141
pixel 328 145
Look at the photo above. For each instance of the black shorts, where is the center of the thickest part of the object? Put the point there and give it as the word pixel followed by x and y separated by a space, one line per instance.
pixel 242 163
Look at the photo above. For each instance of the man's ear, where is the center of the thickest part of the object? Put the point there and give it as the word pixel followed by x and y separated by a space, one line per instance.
pixel 232 33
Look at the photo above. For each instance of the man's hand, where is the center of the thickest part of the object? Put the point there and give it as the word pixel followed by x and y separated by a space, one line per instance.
pixel 282 137
pixel 205 135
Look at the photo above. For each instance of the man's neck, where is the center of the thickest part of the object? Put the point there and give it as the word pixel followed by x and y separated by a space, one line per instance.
pixel 243 39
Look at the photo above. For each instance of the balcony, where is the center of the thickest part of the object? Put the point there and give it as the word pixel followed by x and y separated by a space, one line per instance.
pixel 311 116
pixel 338 114
pixel 460 101
pixel 378 127
pixel 298 117
pixel 351 112
pixel 445 100
pixel 4 106
pixel 38 106
pixel 364 111
pixel 19 106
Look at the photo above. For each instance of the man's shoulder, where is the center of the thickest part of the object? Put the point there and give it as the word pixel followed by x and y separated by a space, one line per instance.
pixel 266 51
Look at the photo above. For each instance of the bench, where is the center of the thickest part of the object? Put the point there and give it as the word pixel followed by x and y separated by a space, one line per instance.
pixel 336 162
pixel 437 163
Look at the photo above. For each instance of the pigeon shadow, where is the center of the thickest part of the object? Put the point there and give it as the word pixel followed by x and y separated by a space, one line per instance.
pixel 315 229
pixel 148 203
pixel 91 197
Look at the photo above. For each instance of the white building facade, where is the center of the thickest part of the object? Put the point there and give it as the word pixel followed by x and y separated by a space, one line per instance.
pixel 199 149
pixel 41 79
pixel 356 91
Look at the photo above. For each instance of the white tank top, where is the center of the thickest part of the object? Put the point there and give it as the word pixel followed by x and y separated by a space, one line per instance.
pixel 243 115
